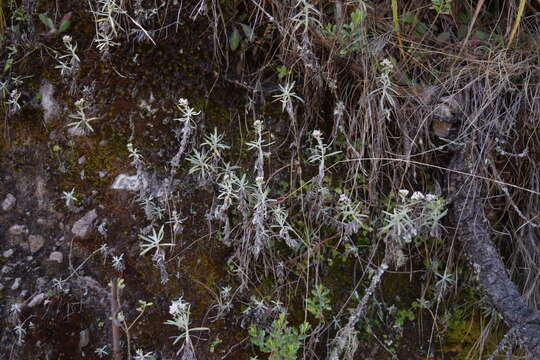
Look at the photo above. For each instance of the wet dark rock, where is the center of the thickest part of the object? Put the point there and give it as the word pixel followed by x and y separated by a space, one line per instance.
pixel 84 226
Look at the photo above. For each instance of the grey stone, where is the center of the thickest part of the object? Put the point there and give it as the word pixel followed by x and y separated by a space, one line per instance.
pixel 6 269
pixel 56 256
pixel 49 104
pixel 84 338
pixel 41 282
pixel 37 300
pixel 83 227
pixel 9 202
pixel 18 230
pixel 8 253
pixel 36 242
pixel 129 182
pixel 76 131
pixel 16 284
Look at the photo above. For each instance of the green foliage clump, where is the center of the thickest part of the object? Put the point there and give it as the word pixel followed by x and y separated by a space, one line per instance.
pixel 281 341
pixel 319 301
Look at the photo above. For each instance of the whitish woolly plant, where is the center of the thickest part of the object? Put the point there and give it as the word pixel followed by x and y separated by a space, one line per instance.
pixel 259 145
pixel 319 155
pixel 285 230
pixel 187 119
pixel 180 312
pixel 386 100
pixel 153 242
pixel 351 216
pixel 411 216
pixel 286 96
pixel 306 15
pixel 81 119
pixel 13 101
pixel 68 64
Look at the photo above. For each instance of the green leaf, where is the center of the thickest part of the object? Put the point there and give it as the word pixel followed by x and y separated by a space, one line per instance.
pixel 248 31
pixel 421 28
pixel 64 25
pixel 234 40
pixel 47 21
pixel 408 18
pixel 481 35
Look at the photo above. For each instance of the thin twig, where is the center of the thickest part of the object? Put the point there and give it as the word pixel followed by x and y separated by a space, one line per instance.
pixel 117 351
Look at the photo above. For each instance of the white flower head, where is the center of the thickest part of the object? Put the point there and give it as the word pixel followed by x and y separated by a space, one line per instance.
pixel 403 193
pixel 182 102
pixel 316 133
pixel 431 197
pixel 178 307
pixel 66 39
pixel 417 195
pixel 386 63
pixel 258 125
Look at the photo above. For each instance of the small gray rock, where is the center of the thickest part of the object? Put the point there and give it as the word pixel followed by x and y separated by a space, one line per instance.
pixel 84 338
pixel 41 282
pixel 37 300
pixel 83 227
pixel 36 242
pixel 5 269
pixel 9 202
pixel 18 230
pixel 16 284
pixel 129 182
pixel 56 256
pixel 8 253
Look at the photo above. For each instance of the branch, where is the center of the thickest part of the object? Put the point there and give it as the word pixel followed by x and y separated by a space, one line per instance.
pixel 473 231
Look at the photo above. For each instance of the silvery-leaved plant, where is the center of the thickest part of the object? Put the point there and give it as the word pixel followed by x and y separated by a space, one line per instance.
pixel 285 230
pixel 13 101
pixel 215 145
pixel 187 119
pixel 350 215
pixel 81 119
pixel 180 312
pixel 68 64
pixel 412 215
pixel 286 95
pixel 260 215
pixel 153 242
pixel 319 155
pixel 386 90
pixel 259 145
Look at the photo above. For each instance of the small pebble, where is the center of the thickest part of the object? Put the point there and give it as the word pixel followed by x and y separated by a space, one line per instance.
pixel 8 253
pixel 16 284
pixel 9 202
pixel 56 256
